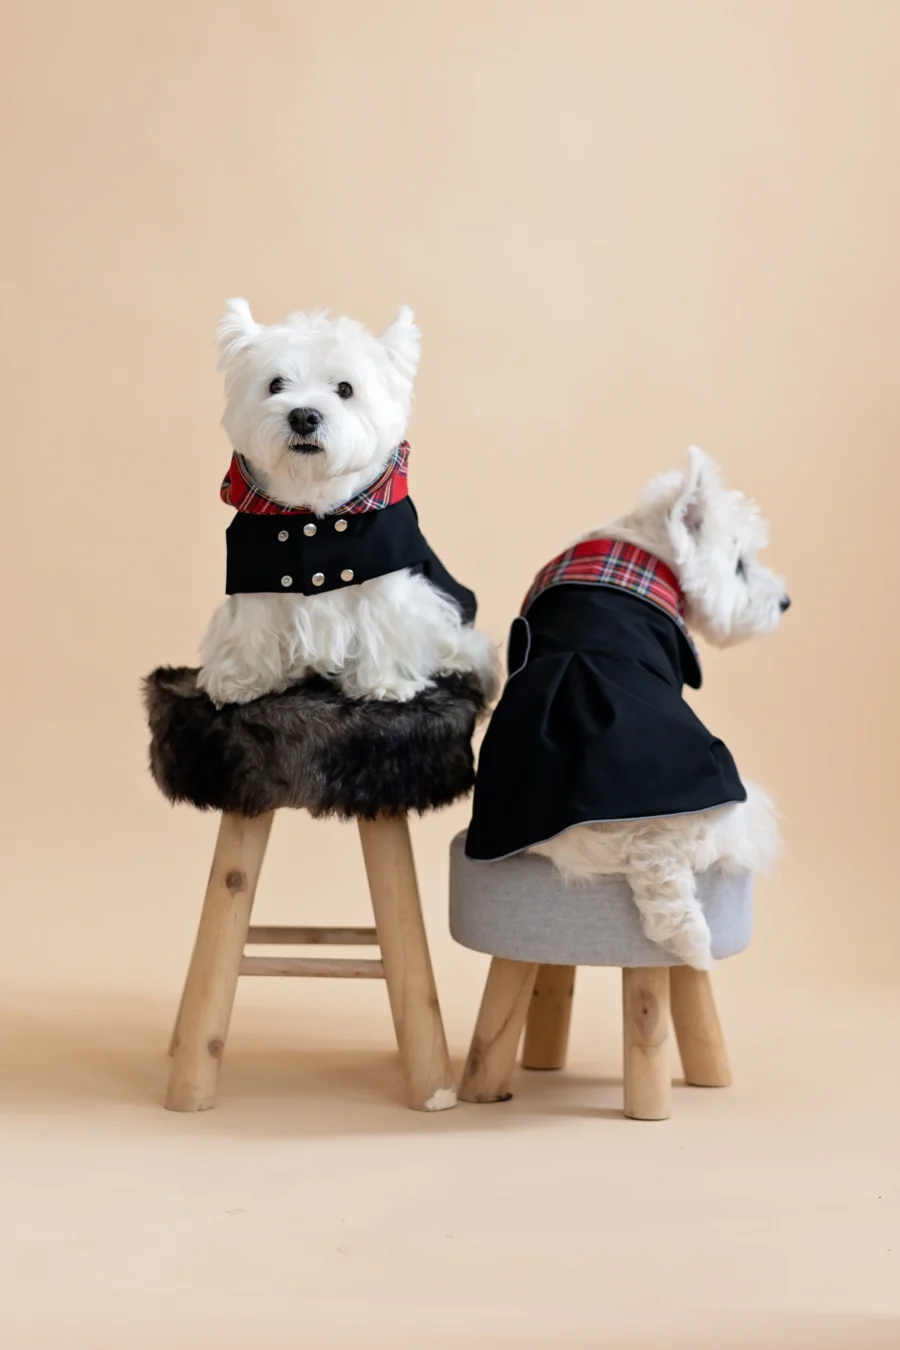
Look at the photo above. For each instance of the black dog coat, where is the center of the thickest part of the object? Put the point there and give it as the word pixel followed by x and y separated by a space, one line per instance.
pixel 276 548
pixel 592 725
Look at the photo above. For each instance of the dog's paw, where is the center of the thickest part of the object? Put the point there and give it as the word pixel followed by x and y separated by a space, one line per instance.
pixel 400 691
pixel 391 691
pixel 220 690
pixel 692 941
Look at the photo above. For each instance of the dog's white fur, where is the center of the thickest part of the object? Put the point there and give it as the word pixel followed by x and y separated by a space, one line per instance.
pixel 388 637
pixel 710 537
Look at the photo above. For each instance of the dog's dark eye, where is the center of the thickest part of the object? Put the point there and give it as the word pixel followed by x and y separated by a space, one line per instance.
pixel 276 385
pixel 740 569
pixel 344 390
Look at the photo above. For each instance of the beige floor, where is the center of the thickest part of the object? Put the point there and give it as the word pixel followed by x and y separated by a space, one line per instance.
pixel 310 1208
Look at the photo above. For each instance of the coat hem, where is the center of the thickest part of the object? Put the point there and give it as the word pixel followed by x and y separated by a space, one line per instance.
pixel 606 820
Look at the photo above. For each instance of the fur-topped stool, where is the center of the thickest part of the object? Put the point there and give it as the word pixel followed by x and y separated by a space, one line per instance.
pixel 311 747
pixel 538 929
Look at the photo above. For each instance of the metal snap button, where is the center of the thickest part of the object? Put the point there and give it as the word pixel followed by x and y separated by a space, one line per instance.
pixel 282 535
pixel 340 525
pixel 318 579
pixel 287 581
pixel 309 530
pixel 347 574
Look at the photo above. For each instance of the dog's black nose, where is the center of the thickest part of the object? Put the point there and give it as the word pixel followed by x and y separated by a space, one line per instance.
pixel 303 421
pixel 784 603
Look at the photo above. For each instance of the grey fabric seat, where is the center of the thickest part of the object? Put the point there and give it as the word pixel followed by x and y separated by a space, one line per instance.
pixel 521 908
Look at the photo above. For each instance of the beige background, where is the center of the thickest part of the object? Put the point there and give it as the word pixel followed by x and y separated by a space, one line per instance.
pixel 623 227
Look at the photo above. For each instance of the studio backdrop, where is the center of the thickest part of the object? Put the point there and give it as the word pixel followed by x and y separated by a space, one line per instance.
pixel 623 229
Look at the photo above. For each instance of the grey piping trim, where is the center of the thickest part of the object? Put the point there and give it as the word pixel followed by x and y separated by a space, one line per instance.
pixel 619 820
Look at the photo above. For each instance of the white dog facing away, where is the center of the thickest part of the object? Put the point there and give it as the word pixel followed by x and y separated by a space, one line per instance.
pixel 624 778
pixel 328 571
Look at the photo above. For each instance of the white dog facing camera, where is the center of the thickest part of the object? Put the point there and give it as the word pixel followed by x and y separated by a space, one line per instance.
pixel 328 571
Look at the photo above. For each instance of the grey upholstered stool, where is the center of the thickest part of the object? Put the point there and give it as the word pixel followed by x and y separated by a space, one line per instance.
pixel 538 929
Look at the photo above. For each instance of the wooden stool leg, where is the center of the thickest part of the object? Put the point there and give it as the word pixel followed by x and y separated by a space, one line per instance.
pixel 645 1014
pixel 492 1054
pixel 549 1015
pixel 173 1039
pixel 407 963
pixel 202 1025
pixel 697 1029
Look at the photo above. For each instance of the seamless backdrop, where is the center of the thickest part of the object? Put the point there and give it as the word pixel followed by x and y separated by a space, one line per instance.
pixel 623 229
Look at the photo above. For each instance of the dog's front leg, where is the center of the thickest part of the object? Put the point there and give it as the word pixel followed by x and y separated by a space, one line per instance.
pixel 398 621
pixel 243 650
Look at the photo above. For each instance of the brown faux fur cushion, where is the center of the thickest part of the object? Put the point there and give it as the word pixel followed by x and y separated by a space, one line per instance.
pixel 312 747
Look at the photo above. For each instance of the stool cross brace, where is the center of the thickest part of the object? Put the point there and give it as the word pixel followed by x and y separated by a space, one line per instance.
pixel 220 957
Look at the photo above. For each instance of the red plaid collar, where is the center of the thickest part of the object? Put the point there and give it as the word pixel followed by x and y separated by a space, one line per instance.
pixel 612 563
pixel 239 490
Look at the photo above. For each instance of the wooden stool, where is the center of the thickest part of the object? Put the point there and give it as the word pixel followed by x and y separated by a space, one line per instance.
pixel 539 929
pixel 310 748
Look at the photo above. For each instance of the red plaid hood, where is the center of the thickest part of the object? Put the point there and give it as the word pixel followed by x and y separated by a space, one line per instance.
pixel 620 566
pixel 239 490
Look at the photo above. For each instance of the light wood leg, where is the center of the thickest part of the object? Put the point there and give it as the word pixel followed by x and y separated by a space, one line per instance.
pixel 407 963
pixel 645 1015
pixel 549 1015
pixel 202 1025
pixel 697 1029
pixel 492 1054
pixel 173 1039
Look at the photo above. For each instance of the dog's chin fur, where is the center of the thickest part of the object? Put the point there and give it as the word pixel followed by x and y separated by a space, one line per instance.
pixel 710 537
pixel 389 637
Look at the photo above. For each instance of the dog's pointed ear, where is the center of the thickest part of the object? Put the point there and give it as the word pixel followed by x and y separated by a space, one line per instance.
pixel 701 483
pixel 237 331
pixel 403 341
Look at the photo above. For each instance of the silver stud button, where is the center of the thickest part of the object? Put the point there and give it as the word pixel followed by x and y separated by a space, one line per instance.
pixel 347 574
pixel 340 525
pixel 318 579
pixel 287 581
pixel 309 530
pixel 282 536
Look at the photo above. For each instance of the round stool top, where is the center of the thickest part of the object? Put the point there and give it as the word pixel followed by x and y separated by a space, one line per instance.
pixel 312 747
pixel 522 909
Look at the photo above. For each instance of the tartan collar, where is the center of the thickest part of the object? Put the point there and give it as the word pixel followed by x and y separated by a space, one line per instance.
pixel 240 491
pixel 619 566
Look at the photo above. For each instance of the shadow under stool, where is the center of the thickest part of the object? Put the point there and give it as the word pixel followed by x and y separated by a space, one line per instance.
pixel 538 929
pixel 310 748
